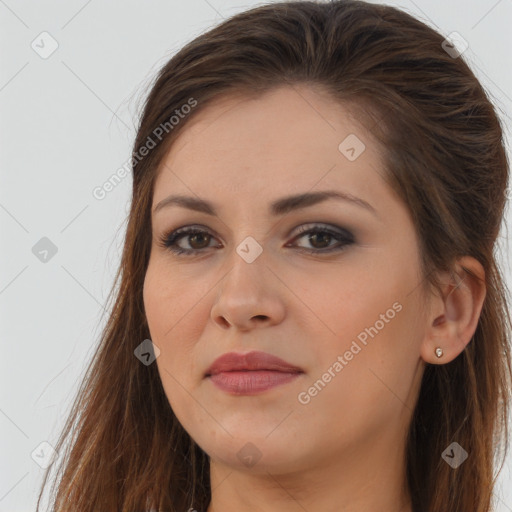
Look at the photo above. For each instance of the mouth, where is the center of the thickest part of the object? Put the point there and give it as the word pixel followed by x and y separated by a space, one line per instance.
pixel 251 382
pixel 250 361
pixel 250 373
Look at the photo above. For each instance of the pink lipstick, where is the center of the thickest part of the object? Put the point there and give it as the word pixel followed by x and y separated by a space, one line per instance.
pixel 250 373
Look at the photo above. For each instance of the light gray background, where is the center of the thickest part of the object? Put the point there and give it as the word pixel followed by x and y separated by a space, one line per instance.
pixel 67 124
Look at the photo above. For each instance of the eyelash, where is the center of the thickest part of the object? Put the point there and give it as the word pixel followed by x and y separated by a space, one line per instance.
pixel 168 240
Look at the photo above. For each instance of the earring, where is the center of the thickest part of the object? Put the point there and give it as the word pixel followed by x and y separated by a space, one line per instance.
pixel 439 352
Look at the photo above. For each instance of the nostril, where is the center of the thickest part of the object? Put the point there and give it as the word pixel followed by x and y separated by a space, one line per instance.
pixel 223 321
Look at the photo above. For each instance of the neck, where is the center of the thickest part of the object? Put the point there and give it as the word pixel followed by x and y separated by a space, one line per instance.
pixel 364 480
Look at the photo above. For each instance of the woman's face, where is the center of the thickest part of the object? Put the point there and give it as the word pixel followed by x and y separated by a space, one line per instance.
pixel 343 305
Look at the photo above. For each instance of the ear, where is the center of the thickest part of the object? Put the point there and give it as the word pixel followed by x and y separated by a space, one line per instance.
pixel 454 314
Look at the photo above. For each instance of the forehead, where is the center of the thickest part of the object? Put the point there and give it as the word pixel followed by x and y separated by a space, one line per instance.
pixel 284 141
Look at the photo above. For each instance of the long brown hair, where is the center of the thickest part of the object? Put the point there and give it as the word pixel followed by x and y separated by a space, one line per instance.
pixel 443 150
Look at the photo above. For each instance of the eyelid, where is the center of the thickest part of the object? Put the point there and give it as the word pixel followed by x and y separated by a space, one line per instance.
pixel 303 228
pixel 295 232
pixel 344 238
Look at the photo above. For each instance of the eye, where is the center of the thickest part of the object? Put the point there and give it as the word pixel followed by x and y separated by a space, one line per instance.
pixel 320 237
pixel 199 239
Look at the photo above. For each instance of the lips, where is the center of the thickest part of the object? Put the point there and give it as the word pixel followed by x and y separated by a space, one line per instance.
pixel 251 361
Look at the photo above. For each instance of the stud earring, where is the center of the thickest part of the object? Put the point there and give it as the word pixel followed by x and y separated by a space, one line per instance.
pixel 439 351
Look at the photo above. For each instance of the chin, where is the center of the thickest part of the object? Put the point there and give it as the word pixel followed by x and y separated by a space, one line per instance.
pixel 258 454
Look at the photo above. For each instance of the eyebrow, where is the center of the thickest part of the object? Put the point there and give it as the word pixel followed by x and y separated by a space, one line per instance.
pixel 278 207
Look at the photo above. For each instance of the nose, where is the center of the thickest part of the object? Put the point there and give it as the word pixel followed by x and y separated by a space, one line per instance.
pixel 249 296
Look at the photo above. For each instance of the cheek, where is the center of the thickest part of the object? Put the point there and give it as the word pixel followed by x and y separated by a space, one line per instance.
pixel 369 318
pixel 343 302
pixel 171 300
pixel 176 315
pixel 372 390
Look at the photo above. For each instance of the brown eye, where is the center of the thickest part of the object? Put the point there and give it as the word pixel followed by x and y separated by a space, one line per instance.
pixel 320 238
pixel 198 240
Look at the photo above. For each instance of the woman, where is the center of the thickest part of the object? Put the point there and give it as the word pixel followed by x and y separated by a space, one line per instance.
pixel 309 315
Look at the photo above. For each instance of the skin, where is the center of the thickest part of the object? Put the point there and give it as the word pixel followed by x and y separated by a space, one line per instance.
pixel 344 449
